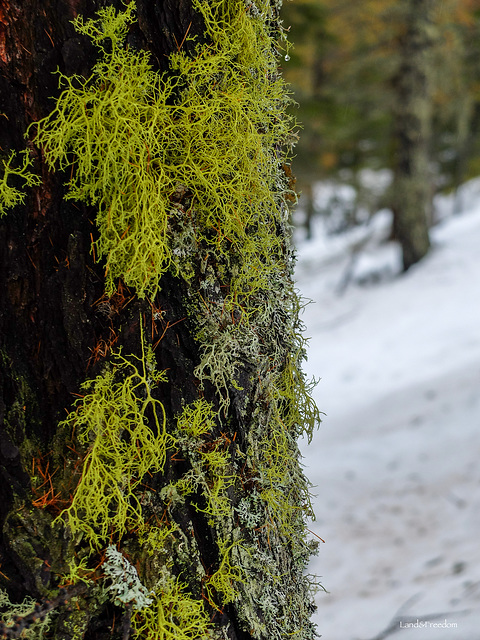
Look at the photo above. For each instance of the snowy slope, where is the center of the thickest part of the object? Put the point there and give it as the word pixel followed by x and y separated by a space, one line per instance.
pixel 396 460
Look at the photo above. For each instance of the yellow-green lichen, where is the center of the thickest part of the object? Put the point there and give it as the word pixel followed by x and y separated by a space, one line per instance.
pixel 213 475
pixel 196 419
pixel 211 124
pixel 78 571
pixel 209 458
pixel 174 615
pixel 123 444
pixel 227 577
pixel 283 487
pixel 11 195
pixel 184 169
pixel 154 538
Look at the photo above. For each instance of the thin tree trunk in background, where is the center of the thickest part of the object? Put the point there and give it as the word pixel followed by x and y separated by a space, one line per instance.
pixel 412 188
pixel 58 328
pixel 468 132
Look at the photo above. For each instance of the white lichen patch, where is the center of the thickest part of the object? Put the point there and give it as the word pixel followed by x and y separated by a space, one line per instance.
pixel 125 584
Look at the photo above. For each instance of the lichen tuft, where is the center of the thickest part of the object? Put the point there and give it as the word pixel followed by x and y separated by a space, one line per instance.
pixel 123 445
pixel 11 194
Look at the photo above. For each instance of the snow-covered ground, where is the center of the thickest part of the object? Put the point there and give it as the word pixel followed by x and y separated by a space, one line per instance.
pixel 396 462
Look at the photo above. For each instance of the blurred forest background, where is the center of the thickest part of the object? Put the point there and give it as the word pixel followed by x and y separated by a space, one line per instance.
pixel 389 103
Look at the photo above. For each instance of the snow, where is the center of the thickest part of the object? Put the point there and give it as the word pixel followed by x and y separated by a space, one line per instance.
pixel 396 459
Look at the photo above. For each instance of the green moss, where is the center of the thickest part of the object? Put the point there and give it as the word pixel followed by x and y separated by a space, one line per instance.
pixel 74 625
pixel 11 195
pixel 111 421
pixel 29 535
pixel 21 415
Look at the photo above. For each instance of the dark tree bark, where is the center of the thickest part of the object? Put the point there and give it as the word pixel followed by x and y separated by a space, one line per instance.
pixel 58 329
pixel 412 188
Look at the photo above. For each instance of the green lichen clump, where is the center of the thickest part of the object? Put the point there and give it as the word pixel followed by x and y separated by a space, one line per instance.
pixel 11 195
pixel 174 615
pixel 209 459
pixel 124 428
pixel 213 477
pixel 212 125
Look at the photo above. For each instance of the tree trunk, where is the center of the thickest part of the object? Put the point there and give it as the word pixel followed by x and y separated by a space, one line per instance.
pixel 412 189
pixel 150 479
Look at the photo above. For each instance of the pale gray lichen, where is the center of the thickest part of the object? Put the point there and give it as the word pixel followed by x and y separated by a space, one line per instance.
pixel 250 511
pixel 125 584
pixel 10 611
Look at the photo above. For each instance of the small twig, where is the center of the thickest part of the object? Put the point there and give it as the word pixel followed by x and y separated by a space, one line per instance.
pixel 127 621
pixel 354 253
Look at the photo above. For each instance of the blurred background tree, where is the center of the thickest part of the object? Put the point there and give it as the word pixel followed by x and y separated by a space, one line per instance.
pixel 385 86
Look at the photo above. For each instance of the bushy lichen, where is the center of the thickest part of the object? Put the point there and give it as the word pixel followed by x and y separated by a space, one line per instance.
pixel 173 615
pixel 123 445
pixel 209 458
pixel 212 476
pixel 11 194
pixel 224 582
pixel 255 365
pixel 212 123
pixel 196 420
pixel 154 538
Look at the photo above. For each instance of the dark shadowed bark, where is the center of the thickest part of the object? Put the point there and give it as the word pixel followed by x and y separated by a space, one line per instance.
pixel 54 329
pixel 58 329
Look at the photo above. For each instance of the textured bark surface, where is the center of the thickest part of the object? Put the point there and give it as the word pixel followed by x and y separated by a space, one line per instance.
pixel 55 324
pixel 412 187
pixel 58 329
